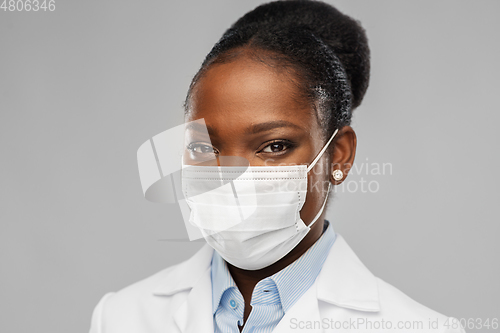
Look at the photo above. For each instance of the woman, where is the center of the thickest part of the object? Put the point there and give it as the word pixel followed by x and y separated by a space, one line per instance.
pixel 277 91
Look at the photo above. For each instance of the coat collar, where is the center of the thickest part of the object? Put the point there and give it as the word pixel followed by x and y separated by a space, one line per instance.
pixel 192 276
pixel 185 275
pixel 343 281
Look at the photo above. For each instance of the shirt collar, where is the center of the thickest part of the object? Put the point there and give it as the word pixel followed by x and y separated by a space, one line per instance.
pixel 221 280
pixel 291 282
pixel 294 280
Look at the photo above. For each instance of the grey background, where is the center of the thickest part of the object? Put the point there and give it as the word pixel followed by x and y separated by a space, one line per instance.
pixel 82 87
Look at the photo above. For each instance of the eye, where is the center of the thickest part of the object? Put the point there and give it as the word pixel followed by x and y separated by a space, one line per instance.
pixel 277 147
pixel 201 148
pixel 274 148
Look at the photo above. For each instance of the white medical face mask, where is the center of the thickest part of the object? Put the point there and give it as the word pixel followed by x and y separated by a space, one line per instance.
pixel 250 215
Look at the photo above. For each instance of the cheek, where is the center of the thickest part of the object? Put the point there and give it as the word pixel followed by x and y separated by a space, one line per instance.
pixel 318 178
pixel 317 188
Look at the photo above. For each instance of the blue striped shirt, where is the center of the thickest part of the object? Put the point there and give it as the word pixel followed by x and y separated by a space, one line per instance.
pixel 273 296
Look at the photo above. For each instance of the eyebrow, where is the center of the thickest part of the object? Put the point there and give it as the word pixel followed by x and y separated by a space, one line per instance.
pixel 200 128
pixel 270 125
pixel 258 128
pixel 193 125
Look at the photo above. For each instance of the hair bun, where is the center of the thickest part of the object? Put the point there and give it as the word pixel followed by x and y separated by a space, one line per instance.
pixel 342 34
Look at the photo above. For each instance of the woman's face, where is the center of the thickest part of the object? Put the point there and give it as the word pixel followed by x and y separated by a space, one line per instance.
pixel 252 111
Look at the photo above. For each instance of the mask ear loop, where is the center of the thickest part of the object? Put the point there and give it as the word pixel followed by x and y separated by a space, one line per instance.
pixel 321 152
pixel 329 184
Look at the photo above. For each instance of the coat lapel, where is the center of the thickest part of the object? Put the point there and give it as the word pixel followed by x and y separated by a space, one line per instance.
pixel 195 315
pixel 345 282
pixel 192 276
pixel 303 316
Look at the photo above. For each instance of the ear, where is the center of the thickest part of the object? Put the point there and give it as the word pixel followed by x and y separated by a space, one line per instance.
pixel 343 153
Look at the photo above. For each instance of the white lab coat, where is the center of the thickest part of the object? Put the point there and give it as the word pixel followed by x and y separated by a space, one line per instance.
pixel 345 297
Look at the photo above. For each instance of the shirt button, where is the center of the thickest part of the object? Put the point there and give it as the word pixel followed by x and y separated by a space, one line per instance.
pixel 233 304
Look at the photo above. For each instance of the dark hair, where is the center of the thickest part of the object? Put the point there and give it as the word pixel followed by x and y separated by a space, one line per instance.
pixel 326 50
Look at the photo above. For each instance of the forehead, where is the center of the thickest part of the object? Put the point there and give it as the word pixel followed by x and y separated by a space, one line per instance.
pixel 244 92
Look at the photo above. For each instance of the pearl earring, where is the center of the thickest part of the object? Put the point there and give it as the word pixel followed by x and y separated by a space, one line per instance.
pixel 338 175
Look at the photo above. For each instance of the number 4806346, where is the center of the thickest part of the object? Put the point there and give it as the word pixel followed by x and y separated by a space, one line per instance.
pixel 28 5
